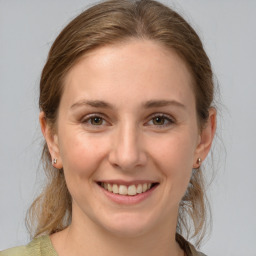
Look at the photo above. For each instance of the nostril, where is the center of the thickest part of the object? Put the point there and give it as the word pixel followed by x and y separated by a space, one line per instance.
pixel 126 155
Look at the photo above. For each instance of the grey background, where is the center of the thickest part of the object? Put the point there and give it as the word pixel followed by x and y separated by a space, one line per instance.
pixel 227 28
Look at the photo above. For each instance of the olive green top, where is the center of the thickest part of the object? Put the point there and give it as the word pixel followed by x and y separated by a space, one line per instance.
pixel 42 246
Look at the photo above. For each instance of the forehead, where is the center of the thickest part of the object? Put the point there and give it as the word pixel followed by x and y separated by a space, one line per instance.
pixel 136 68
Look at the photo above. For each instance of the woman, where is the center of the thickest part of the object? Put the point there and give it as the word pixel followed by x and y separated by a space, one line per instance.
pixel 126 101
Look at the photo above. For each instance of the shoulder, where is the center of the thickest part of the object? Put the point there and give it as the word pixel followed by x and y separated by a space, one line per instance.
pixel 16 251
pixel 38 247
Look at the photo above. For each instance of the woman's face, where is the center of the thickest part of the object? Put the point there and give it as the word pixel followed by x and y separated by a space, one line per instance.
pixel 127 118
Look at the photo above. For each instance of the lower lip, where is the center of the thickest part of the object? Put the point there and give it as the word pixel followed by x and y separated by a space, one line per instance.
pixel 126 199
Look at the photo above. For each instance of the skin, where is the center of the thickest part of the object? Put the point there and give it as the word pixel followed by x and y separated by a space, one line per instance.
pixel 129 144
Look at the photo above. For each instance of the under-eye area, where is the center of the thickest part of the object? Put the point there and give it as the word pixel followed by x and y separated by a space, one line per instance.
pixel 125 190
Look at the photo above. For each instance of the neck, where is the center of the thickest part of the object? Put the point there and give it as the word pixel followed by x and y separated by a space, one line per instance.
pixel 89 239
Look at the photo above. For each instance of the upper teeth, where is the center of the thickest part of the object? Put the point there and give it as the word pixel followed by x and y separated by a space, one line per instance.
pixel 126 190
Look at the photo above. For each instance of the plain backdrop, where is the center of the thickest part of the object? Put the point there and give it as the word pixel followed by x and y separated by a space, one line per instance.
pixel 228 30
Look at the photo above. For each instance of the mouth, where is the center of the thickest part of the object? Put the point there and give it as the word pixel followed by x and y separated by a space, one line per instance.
pixel 127 190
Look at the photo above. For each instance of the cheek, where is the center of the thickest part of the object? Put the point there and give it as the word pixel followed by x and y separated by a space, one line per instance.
pixel 176 149
pixel 174 158
pixel 81 155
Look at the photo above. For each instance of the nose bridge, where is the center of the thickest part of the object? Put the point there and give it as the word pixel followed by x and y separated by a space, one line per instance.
pixel 127 151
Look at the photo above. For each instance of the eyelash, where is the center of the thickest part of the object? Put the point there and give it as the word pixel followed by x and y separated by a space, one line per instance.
pixel 90 117
pixel 165 117
pixel 88 120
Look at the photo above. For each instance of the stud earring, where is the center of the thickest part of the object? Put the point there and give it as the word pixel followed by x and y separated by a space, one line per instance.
pixel 54 161
pixel 199 161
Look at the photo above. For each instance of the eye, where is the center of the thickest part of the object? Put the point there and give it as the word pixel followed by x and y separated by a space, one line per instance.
pixel 94 120
pixel 161 120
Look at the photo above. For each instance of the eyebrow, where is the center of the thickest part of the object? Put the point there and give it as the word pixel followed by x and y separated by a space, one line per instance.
pixel 162 103
pixel 93 103
pixel 148 104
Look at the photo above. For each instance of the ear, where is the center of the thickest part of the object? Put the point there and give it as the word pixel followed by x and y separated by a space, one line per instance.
pixel 51 140
pixel 206 138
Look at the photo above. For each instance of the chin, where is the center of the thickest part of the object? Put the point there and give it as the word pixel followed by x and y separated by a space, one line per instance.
pixel 129 225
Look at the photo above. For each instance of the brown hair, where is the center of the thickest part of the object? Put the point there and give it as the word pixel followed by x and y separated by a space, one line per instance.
pixel 103 24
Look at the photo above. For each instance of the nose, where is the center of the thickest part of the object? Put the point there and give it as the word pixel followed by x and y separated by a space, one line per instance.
pixel 127 151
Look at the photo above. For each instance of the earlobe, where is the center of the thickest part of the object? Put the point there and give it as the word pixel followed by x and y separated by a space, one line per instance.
pixel 51 140
pixel 206 137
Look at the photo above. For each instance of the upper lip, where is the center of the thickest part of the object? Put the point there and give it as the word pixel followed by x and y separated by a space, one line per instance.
pixel 127 183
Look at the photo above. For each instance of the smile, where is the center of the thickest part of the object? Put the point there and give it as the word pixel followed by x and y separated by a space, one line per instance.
pixel 125 190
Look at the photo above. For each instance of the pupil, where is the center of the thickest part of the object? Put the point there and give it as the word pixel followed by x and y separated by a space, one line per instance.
pixel 97 120
pixel 159 120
